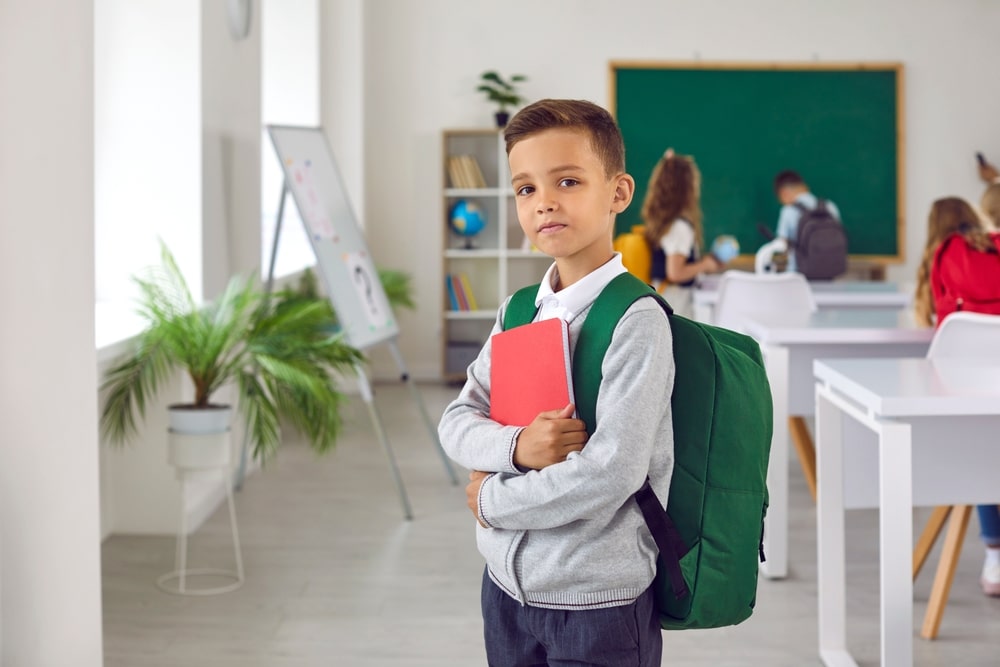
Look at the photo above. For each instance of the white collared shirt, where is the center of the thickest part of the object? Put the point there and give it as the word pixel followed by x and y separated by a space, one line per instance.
pixel 569 302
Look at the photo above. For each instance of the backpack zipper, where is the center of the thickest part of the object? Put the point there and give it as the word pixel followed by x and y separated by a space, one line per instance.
pixel 760 545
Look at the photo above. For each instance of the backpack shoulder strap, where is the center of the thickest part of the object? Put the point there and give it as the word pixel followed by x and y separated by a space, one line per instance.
pixel 595 337
pixel 521 308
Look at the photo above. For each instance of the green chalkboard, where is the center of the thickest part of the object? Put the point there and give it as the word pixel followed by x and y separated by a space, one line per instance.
pixel 838 127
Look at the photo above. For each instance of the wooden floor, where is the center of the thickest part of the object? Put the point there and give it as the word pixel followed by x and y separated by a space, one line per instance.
pixel 336 577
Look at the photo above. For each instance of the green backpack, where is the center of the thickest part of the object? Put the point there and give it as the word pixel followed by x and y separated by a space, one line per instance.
pixel 711 536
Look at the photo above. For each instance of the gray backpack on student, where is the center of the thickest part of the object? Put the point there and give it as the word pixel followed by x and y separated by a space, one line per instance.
pixel 820 244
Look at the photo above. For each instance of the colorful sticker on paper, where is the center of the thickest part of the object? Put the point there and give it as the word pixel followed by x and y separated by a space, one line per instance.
pixel 313 211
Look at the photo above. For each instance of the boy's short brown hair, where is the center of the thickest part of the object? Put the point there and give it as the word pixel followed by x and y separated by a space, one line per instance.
pixel 787 178
pixel 605 136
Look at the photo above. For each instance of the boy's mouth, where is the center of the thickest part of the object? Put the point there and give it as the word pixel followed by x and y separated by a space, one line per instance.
pixel 551 227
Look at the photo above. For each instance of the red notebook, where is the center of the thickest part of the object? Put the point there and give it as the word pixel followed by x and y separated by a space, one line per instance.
pixel 530 372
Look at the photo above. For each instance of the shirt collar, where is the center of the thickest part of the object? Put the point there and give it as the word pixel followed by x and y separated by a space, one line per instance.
pixel 569 302
pixel 807 199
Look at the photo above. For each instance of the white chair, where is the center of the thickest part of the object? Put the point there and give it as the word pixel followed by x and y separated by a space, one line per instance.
pixel 742 293
pixel 965 334
pixel 976 336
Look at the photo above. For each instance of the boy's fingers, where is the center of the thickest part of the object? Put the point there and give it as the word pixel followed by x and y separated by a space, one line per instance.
pixel 561 413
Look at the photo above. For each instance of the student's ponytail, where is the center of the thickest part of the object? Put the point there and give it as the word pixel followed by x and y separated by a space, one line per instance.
pixel 923 302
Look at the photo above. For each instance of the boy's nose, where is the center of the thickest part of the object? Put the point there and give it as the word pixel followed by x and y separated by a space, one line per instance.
pixel 546 206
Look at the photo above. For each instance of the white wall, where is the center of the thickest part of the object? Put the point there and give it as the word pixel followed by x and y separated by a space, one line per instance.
pixel 342 91
pixel 50 610
pixel 231 143
pixel 422 59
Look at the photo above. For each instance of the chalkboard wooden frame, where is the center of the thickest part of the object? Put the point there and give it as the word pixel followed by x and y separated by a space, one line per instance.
pixel 892 250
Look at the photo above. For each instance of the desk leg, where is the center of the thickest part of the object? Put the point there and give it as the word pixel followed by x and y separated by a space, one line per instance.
pixel 895 538
pixel 776 522
pixel 830 550
pixel 799 433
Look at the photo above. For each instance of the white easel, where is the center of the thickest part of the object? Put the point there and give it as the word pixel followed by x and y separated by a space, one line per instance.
pixel 344 264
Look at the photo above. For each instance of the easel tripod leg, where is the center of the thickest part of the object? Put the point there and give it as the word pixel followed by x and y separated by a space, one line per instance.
pixel 405 377
pixel 366 394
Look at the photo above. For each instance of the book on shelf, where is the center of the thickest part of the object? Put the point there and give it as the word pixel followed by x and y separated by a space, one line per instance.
pixel 470 298
pixel 463 302
pixel 475 173
pixel 530 372
pixel 460 296
pixel 450 288
pixel 455 173
pixel 464 172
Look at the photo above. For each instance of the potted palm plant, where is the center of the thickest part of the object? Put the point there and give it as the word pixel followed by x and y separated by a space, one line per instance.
pixel 502 92
pixel 279 355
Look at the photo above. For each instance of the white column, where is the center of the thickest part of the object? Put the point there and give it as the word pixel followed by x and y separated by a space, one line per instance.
pixel 50 610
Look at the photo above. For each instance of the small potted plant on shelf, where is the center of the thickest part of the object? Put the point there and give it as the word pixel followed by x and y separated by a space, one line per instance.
pixel 502 92
pixel 278 354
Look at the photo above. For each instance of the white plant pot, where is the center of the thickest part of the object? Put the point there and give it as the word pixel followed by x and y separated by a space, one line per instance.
pixel 197 421
pixel 199 438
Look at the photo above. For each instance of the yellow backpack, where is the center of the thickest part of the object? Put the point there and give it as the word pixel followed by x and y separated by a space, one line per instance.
pixel 636 254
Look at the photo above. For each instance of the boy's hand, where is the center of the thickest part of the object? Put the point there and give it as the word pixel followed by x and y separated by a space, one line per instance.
pixel 549 439
pixel 472 493
pixel 988 172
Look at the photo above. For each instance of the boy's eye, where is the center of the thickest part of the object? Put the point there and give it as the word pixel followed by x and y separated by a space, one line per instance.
pixel 568 182
pixel 525 190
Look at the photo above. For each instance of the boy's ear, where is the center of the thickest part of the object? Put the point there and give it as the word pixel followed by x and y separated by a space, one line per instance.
pixel 624 189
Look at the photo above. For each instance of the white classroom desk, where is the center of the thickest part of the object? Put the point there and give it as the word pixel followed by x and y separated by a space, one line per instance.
pixel 789 343
pixel 935 423
pixel 836 294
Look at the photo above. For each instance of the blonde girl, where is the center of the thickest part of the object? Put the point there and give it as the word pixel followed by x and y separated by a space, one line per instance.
pixel 671 213
pixel 949 215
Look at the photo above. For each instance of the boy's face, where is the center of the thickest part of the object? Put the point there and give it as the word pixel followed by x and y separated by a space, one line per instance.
pixel 788 193
pixel 566 204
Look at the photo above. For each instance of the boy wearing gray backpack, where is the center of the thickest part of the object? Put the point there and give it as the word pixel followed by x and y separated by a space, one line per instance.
pixel 817 241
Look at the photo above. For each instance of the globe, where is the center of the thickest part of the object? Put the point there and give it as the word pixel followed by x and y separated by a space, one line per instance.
pixel 467 219
pixel 725 248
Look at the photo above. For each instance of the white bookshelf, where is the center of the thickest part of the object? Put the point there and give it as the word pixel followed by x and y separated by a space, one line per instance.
pixel 498 264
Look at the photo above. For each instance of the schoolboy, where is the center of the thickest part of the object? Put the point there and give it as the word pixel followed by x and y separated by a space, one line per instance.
pixel 792 191
pixel 569 560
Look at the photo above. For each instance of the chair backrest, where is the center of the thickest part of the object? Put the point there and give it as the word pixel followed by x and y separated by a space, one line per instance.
pixel 742 293
pixel 965 334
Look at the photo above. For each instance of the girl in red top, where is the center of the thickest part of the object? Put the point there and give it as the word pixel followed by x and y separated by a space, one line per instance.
pixel 960 270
